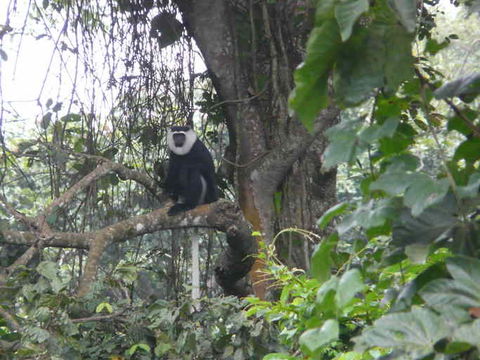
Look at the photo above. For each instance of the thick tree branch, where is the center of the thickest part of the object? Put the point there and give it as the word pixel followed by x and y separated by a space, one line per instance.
pixel 222 215
pixel 280 160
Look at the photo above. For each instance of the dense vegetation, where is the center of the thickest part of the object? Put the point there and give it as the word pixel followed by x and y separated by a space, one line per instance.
pixel 395 272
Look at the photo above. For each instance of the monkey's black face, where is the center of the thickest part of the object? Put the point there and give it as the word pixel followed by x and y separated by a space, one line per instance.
pixel 179 139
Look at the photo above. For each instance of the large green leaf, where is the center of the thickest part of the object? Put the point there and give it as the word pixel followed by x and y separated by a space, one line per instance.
pixel 415 332
pixel 406 11
pixel 360 66
pixel 399 58
pixel 347 12
pixel 314 339
pixel 349 285
pixel 321 262
pixel 465 270
pixel 331 213
pixel 463 291
pixel 423 192
pixel 375 132
pixel 469 333
pixel 468 150
pixel 394 182
pixel 434 224
pixel 443 292
pixel 310 93
pixel 405 297
pixel 326 296
pixel 370 215
pixel 344 145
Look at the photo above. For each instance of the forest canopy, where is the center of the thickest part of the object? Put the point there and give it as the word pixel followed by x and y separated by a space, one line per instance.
pixel 345 136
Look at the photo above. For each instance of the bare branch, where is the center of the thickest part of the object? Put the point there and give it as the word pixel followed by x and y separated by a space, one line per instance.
pixel 99 317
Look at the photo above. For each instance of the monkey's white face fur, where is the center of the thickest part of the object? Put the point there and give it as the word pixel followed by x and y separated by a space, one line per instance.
pixel 190 138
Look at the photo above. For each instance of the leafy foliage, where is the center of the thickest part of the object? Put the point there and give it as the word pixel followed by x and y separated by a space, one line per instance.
pixel 414 232
pixel 58 324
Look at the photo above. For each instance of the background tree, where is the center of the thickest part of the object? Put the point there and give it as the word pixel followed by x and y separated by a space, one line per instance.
pixel 93 268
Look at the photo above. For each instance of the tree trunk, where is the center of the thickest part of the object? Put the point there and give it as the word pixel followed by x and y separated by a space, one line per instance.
pixel 251 50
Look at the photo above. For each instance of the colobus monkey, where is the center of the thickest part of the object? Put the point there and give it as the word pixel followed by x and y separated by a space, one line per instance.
pixel 191 174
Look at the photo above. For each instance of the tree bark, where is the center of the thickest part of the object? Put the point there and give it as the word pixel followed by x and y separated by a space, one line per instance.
pixel 251 50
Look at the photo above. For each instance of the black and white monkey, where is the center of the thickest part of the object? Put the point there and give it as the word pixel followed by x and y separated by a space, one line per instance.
pixel 191 173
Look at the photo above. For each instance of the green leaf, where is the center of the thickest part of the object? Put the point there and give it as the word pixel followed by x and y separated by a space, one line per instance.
pixel 406 11
pixel 395 182
pixel 349 285
pixel 351 355
pixel 465 270
pixel 402 139
pixel 467 87
pixel 443 292
pixel 334 211
pixel 424 192
pixel 401 163
pixel 405 297
pixel 360 64
pixel 48 269
pixel 458 123
pixel 314 339
pixel 104 305
pixel 162 349
pixel 375 132
pixel 415 332
pixel 278 356
pixel 347 12
pixel 433 46
pixel 433 225
pixel 399 59
pixel 344 145
pixel 325 11
pixel 133 349
pixel 321 262
pixel 463 291
pixel 310 94
pixel 369 215
pixel 468 150
pixel 468 333
pixel 36 334
pixel 326 296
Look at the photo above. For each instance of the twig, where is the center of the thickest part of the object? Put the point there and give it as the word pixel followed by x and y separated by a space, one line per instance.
pixel 99 317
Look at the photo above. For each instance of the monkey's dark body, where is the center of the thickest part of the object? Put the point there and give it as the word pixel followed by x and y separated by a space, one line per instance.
pixel 184 179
